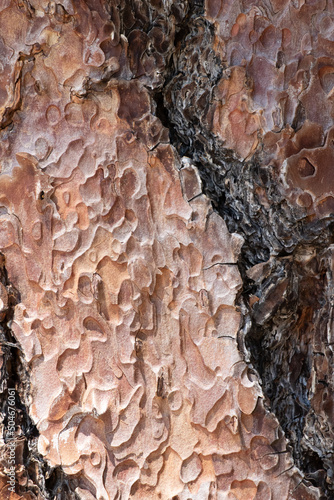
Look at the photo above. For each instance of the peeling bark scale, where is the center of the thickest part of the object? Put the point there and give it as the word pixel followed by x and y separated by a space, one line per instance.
pixel 166 249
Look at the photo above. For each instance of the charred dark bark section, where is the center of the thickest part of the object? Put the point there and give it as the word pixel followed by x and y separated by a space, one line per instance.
pixel 288 342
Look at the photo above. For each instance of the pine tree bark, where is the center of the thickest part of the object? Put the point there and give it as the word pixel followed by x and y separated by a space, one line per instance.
pixel 166 273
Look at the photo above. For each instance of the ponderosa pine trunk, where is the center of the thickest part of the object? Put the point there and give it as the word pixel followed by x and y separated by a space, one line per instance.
pixel 167 255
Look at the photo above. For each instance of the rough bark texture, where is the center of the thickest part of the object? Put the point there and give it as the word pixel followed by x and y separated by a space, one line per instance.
pixel 167 339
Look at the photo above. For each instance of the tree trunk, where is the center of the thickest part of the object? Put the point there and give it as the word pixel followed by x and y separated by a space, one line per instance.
pixel 166 273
